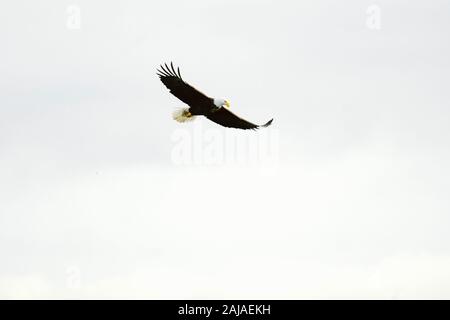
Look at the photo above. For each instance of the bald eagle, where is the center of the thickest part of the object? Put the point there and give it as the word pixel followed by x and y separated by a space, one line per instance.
pixel 200 104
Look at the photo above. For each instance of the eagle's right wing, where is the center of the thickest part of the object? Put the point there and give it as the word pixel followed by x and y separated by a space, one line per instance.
pixel 180 89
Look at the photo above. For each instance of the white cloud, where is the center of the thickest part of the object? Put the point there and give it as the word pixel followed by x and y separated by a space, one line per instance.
pixel 24 287
pixel 357 206
pixel 215 276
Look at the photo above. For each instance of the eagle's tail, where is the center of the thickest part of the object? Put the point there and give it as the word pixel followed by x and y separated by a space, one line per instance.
pixel 182 115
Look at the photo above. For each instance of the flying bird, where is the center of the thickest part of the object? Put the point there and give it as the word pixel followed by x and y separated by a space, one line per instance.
pixel 216 110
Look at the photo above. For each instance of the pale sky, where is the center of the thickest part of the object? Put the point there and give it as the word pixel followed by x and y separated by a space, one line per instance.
pixel 354 202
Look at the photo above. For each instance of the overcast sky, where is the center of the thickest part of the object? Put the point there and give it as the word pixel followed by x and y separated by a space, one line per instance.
pixel 353 201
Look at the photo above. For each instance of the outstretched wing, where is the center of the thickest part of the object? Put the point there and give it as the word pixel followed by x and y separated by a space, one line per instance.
pixel 180 89
pixel 228 119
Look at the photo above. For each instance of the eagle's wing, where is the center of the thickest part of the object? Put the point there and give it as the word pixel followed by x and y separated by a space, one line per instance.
pixel 226 118
pixel 180 89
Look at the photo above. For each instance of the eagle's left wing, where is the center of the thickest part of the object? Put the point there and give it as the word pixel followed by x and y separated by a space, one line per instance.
pixel 228 119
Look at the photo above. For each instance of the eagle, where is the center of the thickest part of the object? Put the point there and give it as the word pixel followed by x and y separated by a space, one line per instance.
pixel 216 110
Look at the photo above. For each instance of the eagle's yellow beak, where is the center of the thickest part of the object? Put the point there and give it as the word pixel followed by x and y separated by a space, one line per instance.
pixel 227 104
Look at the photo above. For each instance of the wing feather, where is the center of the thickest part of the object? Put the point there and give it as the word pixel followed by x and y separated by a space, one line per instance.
pixel 228 119
pixel 180 89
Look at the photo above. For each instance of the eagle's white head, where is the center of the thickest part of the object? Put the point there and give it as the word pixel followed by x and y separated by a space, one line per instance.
pixel 221 103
